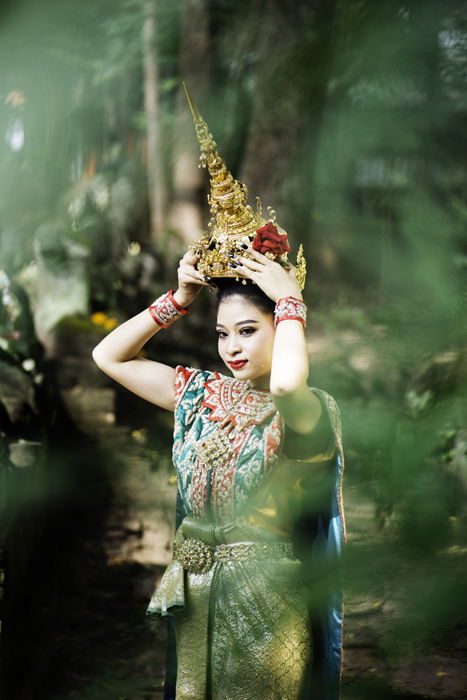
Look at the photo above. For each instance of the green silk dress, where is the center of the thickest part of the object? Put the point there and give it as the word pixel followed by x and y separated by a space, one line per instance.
pixel 243 627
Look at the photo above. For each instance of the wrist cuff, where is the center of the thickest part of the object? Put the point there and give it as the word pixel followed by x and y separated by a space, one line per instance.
pixel 165 310
pixel 290 309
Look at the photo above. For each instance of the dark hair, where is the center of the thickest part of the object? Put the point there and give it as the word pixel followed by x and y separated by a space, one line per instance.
pixel 228 287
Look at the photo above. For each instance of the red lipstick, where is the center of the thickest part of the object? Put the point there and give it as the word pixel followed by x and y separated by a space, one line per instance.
pixel 237 364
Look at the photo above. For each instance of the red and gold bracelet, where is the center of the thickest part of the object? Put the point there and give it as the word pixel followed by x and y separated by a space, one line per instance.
pixel 165 309
pixel 290 308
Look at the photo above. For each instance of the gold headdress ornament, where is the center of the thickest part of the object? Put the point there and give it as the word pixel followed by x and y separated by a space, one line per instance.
pixel 233 221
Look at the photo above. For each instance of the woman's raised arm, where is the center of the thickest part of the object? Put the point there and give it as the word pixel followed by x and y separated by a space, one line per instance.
pixel 117 353
pixel 299 407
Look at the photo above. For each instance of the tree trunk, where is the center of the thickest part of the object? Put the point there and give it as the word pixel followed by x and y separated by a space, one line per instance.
pixel 155 170
pixel 289 96
pixel 188 213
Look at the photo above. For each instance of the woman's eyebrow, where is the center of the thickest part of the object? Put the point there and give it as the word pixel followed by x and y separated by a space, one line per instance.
pixel 248 320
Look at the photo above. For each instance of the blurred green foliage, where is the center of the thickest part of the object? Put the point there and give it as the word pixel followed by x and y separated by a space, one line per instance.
pixel 360 108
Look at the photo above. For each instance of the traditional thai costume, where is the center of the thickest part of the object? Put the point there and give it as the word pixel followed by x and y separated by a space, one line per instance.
pixel 260 524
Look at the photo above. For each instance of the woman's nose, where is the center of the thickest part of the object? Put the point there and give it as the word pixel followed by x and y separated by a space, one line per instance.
pixel 233 345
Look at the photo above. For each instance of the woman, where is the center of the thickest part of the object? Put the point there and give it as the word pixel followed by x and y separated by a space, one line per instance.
pixel 259 466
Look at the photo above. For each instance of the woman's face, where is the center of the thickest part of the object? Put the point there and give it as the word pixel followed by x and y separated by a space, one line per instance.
pixel 245 338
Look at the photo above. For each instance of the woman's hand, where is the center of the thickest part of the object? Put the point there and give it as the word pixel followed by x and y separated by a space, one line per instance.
pixel 275 281
pixel 190 280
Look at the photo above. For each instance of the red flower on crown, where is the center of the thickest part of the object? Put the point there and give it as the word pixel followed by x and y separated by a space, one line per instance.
pixel 269 240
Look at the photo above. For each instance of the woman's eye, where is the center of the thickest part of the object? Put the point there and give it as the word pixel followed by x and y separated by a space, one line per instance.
pixel 243 331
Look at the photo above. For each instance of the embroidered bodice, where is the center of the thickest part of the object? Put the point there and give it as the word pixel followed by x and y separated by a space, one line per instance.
pixel 228 440
pixel 227 435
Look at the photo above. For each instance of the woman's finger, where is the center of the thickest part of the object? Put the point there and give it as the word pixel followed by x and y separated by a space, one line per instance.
pixel 184 265
pixel 250 264
pixel 190 257
pixel 259 257
pixel 191 279
pixel 240 270
pixel 186 269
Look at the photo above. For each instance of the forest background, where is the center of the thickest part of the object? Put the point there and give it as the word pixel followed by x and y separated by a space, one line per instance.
pixel 349 118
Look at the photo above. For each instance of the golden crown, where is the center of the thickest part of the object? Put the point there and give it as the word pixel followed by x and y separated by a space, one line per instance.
pixel 233 221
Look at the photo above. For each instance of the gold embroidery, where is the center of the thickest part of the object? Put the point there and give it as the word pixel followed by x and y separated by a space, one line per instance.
pixel 214 449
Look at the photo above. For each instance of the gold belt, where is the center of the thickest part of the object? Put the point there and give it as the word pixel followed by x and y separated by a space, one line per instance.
pixel 198 557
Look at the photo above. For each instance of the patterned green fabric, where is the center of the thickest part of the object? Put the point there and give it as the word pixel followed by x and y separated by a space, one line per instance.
pixel 242 628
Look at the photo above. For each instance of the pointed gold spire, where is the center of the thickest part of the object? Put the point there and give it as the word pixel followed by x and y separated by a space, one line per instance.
pixel 233 221
pixel 231 215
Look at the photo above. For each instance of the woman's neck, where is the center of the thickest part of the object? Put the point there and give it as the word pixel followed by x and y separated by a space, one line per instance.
pixel 261 383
